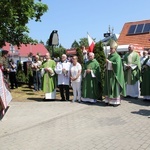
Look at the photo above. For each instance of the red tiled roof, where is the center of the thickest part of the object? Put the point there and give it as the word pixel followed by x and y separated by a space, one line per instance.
pixel 25 50
pixel 141 39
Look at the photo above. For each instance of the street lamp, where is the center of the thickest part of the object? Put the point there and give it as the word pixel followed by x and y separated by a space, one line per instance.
pixel 53 40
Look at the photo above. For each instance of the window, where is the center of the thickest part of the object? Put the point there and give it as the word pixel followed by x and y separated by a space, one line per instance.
pixel 139 28
pixel 132 29
pixel 146 28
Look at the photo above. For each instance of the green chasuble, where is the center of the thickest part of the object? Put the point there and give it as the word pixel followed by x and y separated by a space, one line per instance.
pixel 145 84
pixel 48 81
pixel 132 76
pixel 114 79
pixel 91 85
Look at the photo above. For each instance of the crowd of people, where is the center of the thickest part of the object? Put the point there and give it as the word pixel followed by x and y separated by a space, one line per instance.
pixel 124 77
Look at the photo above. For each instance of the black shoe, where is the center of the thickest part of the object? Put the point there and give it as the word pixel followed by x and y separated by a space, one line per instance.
pixel 116 105
pixel 135 97
pixel 127 96
pixel 62 100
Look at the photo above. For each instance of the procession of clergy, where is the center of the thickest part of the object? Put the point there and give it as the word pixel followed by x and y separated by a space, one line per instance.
pixel 124 77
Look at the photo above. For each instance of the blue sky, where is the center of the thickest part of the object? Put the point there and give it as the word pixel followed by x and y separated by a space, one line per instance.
pixel 74 18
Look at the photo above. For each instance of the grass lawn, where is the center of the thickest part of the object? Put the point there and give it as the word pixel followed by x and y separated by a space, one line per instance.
pixel 25 94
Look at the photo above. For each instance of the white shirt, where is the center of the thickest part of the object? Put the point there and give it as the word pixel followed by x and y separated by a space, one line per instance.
pixel 148 63
pixel 63 78
pixel 142 59
pixel 74 71
pixel 36 64
pixel 13 69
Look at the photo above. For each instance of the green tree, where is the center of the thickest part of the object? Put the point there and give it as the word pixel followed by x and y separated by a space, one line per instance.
pixel 14 17
pixel 80 55
pixel 83 42
pixel 100 57
pixel 41 42
pixel 57 51
pixel 75 44
pixel 21 78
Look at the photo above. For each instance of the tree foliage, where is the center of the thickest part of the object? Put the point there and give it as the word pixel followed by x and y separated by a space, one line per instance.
pixel 100 57
pixel 21 78
pixel 83 42
pixel 75 44
pixel 55 51
pixel 14 17
pixel 80 55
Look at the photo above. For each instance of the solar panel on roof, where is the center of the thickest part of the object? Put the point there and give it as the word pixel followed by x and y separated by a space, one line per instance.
pixel 132 29
pixel 146 28
pixel 139 28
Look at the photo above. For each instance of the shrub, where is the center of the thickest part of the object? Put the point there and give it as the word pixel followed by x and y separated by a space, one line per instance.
pixel 21 78
pixel 100 57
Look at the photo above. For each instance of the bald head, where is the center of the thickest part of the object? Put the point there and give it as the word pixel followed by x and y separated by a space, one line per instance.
pixel 145 53
pixel 91 56
pixel 63 57
pixel 130 48
pixel 47 56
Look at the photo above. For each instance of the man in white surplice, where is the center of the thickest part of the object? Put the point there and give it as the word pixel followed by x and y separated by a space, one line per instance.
pixel 63 71
pixel 132 69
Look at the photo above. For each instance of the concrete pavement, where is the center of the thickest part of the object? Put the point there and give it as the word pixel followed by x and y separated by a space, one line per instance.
pixel 55 125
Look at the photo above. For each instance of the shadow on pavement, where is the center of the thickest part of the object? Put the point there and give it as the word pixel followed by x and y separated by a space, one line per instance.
pixel 35 99
pixel 98 103
pixel 137 101
pixel 27 90
pixel 44 100
pixel 142 112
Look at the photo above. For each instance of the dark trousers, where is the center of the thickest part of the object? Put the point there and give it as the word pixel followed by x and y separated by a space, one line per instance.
pixel 13 80
pixel 37 80
pixel 64 89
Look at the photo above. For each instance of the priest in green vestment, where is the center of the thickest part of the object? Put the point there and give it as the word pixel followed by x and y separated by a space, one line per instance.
pixel 145 84
pixel 114 85
pixel 132 70
pixel 48 77
pixel 90 87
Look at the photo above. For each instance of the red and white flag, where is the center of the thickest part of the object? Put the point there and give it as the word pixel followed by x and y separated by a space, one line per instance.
pixel 91 43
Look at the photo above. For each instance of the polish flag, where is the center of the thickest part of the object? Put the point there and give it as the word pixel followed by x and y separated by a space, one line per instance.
pixel 91 43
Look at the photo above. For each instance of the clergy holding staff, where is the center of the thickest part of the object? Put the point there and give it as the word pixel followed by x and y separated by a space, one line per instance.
pixel 114 85
pixel 132 70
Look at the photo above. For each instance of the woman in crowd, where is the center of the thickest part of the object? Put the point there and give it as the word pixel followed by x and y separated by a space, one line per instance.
pixel 75 76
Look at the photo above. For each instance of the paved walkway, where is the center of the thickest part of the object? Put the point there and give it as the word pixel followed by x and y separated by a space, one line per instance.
pixel 73 126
